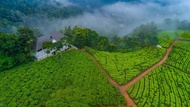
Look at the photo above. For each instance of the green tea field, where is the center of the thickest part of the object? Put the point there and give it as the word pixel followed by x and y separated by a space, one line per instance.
pixel 150 77
pixel 167 84
pixel 123 67
pixel 71 79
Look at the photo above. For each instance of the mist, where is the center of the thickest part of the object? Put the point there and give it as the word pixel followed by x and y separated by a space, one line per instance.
pixel 118 18
pixel 62 2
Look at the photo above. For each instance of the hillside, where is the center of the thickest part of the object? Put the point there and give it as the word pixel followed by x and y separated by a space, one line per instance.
pixel 152 76
pixel 94 53
pixel 168 84
pixel 68 79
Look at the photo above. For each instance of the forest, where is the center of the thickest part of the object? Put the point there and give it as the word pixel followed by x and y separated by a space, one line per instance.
pixel 12 13
pixel 16 49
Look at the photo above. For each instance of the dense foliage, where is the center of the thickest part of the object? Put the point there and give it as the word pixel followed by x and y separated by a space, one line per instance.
pixel 144 35
pixel 16 49
pixel 13 11
pixel 72 79
pixel 81 37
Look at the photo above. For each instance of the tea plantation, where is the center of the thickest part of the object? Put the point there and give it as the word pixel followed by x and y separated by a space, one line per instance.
pixel 69 79
pixel 169 84
pixel 123 67
pixel 163 87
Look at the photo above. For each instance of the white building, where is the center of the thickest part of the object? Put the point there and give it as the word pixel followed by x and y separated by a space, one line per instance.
pixel 53 37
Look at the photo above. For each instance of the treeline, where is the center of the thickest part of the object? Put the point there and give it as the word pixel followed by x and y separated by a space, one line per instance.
pixel 144 35
pixel 13 11
pixel 81 37
pixel 16 49
pixel 172 24
pixel 20 48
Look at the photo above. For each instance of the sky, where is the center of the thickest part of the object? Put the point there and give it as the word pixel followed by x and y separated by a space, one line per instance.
pixel 118 17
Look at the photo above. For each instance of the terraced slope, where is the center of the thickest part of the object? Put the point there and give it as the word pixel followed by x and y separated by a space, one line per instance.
pixel 163 87
pixel 169 84
pixel 123 67
pixel 69 79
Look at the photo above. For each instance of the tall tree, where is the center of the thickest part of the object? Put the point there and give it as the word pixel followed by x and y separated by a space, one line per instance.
pixel 103 43
pixel 92 39
pixel 47 45
pixel 8 50
pixel 8 43
pixel 27 41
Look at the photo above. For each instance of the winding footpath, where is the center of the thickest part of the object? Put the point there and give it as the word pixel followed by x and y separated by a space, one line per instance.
pixel 144 73
pixel 123 88
pixel 129 101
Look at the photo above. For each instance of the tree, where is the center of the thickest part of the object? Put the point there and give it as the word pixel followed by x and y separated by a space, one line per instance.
pixel 115 40
pixel 58 45
pixel 68 32
pixel 11 52
pixel 8 43
pixel 79 41
pixel 145 35
pixel 92 39
pixel 103 43
pixel 27 42
pixel 27 38
pixel 8 50
pixel 47 45
pixel 80 37
pixel 143 30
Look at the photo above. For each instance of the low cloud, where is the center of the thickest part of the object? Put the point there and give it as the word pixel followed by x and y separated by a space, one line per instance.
pixel 62 2
pixel 119 18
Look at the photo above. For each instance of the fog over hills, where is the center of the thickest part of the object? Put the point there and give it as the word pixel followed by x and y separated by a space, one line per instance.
pixel 110 17
pixel 119 17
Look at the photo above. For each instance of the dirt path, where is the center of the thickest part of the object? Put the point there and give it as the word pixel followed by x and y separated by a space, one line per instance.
pixel 123 88
pixel 144 73
pixel 129 101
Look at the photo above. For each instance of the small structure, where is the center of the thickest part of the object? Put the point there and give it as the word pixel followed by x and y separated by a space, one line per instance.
pixel 158 46
pixel 53 37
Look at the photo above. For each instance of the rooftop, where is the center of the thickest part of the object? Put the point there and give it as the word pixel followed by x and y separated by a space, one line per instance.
pixel 55 36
